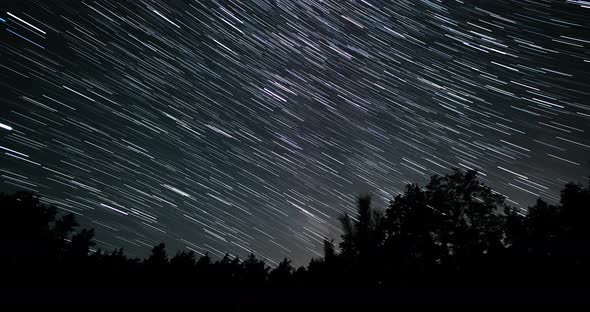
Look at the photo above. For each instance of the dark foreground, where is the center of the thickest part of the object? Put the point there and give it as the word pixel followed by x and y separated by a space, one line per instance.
pixel 294 299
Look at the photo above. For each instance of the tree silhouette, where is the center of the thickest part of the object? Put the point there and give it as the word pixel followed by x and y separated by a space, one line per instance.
pixel 26 229
pixel 227 271
pixel 80 244
pixel 184 260
pixel 575 211
pixel 34 242
pixel 453 232
pixel 282 274
pixel 470 220
pixel 411 234
pixel 183 268
pixel 454 224
pixel 204 269
pixel 362 239
pixel 255 271
pixel 158 257
pixel 329 252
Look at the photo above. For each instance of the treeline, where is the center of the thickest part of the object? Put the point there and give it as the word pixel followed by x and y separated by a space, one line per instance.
pixel 454 232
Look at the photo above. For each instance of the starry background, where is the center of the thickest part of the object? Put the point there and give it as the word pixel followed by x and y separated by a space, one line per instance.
pixel 251 125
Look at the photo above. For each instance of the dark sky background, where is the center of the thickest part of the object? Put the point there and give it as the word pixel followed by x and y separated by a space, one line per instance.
pixel 251 125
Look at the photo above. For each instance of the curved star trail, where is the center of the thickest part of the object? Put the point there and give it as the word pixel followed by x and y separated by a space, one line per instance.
pixel 251 125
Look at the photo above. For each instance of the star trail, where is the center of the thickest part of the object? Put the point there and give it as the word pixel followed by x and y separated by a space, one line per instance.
pixel 239 126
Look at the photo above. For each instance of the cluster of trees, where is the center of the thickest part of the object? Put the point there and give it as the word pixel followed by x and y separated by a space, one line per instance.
pixel 42 250
pixel 454 232
pixel 457 232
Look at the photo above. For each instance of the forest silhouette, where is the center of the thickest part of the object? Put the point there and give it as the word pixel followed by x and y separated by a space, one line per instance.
pixel 453 233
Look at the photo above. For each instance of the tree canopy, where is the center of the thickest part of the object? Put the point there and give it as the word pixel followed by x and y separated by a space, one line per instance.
pixel 454 231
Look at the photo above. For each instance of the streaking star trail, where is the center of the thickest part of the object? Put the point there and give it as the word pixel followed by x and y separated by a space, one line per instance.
pixel 250 126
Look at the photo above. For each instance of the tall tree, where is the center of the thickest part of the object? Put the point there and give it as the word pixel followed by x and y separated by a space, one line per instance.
pixel 282 274
pixel 158 257
pixel 255 271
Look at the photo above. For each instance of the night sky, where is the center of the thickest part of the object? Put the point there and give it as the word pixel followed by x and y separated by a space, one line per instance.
pixel 245 126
